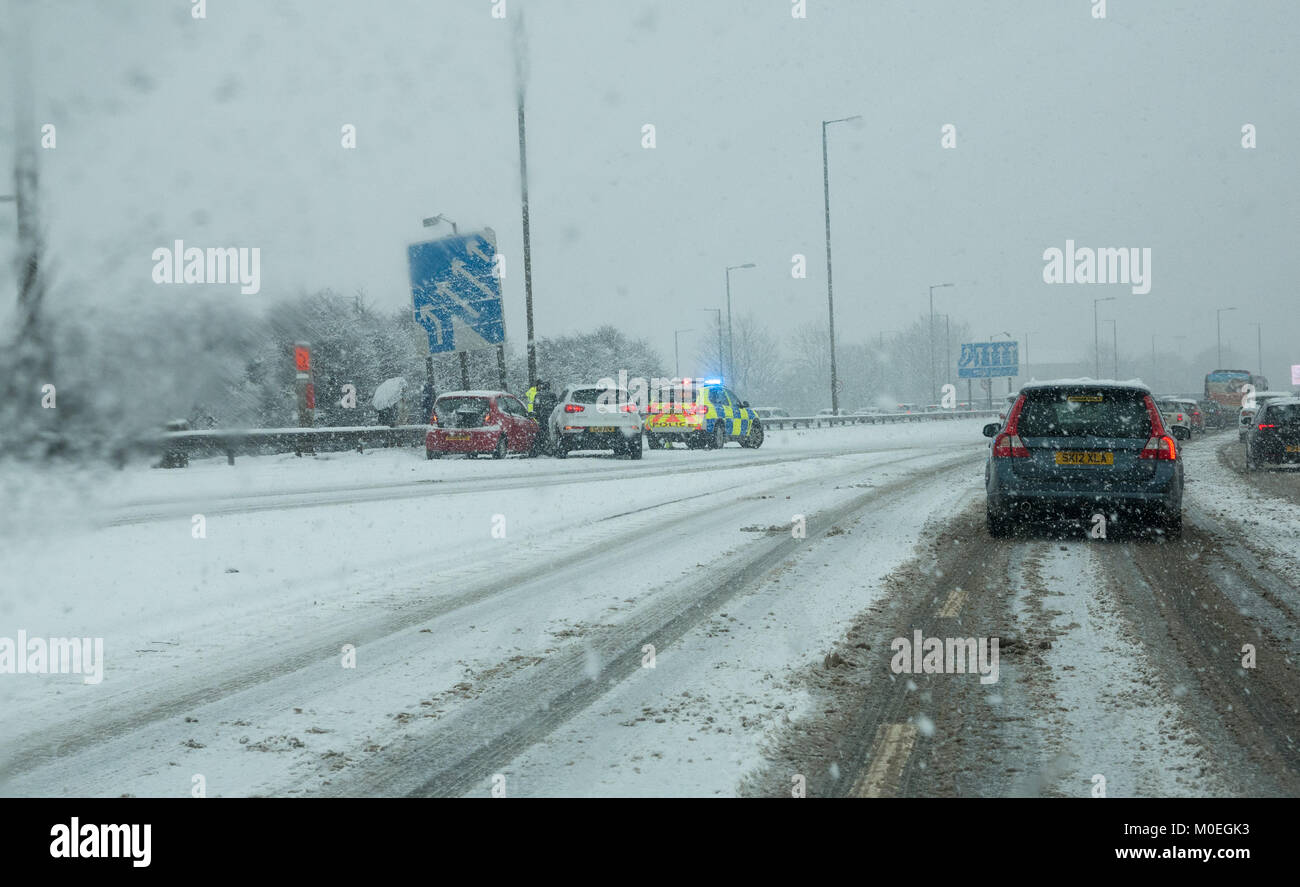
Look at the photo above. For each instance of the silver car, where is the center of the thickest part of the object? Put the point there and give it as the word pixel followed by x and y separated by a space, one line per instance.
pixel 589 416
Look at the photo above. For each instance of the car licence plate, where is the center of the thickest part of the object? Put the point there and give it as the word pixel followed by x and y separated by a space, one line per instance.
pixel 464 435
pixel 1292 449
pixel 603 428
pixel 1084 457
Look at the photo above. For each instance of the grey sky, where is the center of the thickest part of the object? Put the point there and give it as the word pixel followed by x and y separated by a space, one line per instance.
pixel 1123 132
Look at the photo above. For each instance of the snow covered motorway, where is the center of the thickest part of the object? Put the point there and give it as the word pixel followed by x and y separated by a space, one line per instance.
pixel 752 622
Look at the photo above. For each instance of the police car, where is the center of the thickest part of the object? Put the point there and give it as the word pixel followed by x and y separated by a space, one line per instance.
pixel 701 414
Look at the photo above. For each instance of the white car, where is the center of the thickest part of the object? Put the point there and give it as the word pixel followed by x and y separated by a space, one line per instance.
pixel 593 417
pixel 1176 417
pixel 771 413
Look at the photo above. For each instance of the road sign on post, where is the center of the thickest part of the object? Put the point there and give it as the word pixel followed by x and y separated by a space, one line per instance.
pixel 985 360
pixel 456 294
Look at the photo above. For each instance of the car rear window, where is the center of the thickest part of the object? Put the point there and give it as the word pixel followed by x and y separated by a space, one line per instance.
pixel 1284 414
pixel 1084 413
pixel 461 412
pixel 611 397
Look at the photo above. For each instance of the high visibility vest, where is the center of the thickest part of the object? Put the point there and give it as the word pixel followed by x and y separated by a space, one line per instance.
pixel 532 395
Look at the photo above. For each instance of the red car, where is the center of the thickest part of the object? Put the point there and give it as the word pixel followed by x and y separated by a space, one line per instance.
pixel 472 422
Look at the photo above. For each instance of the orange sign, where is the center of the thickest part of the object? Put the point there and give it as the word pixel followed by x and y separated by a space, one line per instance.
pixel 302 359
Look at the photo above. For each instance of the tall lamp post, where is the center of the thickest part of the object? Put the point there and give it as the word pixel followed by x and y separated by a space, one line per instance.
pixel 933 390
pixel 947 349
pixel 718 314
pixel 677 354
pixel 1218 324
pixel 991 338
pixel 830 291
pixel 1096 336
pixel 1114 346
pixel 731 342
pixel 1259 346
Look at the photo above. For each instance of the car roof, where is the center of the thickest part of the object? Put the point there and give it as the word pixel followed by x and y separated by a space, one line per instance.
pixel 1284 401
pixel 1085 382
pixel 483 393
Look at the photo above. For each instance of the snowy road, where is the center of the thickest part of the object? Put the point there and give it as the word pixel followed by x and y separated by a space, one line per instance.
pixel 503 614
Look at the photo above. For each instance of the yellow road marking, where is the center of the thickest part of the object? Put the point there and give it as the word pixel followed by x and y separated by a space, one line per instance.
pixel 892 747
pixel 952 606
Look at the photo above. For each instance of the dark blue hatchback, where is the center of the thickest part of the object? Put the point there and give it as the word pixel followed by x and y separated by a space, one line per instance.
pixel 1075 448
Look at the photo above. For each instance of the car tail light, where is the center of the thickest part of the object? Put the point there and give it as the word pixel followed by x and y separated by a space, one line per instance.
pixel 1008 444
pixel 1153 413
pixel 573 408
pixel 1160 447
pixel 1263 425
pixel 433 420
pixel 629 408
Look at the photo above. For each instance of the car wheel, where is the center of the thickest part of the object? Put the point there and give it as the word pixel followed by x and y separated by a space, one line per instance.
pixel 560 448
pixel 633 447
pixel 754 439
pixel 998 525
pixel 719 436
pixel 501 448
pixel 1251 464
pixel 431 454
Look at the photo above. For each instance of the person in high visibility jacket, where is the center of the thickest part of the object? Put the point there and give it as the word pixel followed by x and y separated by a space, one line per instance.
pixel 532 395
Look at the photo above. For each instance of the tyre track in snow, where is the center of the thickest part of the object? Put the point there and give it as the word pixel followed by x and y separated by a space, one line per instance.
pixel 1250 717
pixel 250 503
pixel 161 698
pixel 486 734
pixel 1161 622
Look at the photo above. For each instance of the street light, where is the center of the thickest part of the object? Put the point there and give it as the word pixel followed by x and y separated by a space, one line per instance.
pixel 718 313
pixel 830 292
pixel 933 390
pixel 1218 321
pixel 677 355
pixel 731 342
pixel 1096 336
pixel 991 338
pixel 1259 346
pixel 947 348
pixel 1114 346
pixel 433 220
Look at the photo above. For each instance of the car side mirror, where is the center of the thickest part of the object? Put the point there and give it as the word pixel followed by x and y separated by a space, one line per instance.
pixel 745 404
pixel 991 429
pixel 1181 433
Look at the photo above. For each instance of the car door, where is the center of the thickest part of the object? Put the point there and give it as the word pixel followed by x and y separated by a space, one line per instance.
pixel 519 428
pixel 740 425
pixel 722 409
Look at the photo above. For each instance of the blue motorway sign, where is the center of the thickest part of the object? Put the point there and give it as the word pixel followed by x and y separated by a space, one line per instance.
pixel 456 296
pixel 984 360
